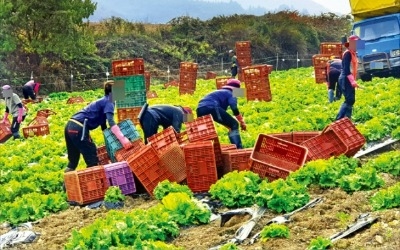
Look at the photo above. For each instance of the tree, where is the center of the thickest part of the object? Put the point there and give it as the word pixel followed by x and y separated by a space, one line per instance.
pixel 34 29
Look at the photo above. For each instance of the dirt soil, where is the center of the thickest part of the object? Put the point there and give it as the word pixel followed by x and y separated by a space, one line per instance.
pixel 337 210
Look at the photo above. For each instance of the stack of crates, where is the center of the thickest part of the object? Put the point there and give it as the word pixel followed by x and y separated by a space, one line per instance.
pixel 243 54
pixel 331 48
pixel 131 73
pixel 187 77
pixel 221 81
pixel 320 62
pixel 340 137
pixel 256 80
pixel 274 158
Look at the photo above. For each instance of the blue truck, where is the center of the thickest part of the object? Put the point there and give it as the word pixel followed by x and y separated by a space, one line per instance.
pixel 377 23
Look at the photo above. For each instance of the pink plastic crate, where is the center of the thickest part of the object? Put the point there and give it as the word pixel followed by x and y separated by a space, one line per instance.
pixel 119 174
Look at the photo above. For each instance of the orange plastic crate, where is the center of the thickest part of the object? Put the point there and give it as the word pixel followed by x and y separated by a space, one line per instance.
pixel 324 146
pixel 188 67
pixel 182 138
pixel 237 159
pixel 163 140
pixel 320 60
pixel 172 83
pixel 202 128
pixel 348 134
pixel 38 120
pixel 129 113
pixel 5 131
pixel 102 155
pixel 242 45
pixel 211 75
pixel 39 129
pixel 283 136
pixel 277 153
pixel 320 75
pixel 331 48
pixel 262 95
pixel 299 137
pixel 45 112
pixel 123 154
pixel 174 159
pixel 256 71
pixel 86 186
pixel 148 169
pixel 201 170
pixel 244 61
pixel 151 94
pixel 221 81
pixel 147 78
pixel 77 99
pixel 226 147
pixel 268 171
pixel 186 91
pixel 261 84
pixel 128 67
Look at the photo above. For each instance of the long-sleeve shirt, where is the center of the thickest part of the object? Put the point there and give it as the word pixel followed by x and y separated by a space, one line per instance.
pixel 222 98
pixel 167 115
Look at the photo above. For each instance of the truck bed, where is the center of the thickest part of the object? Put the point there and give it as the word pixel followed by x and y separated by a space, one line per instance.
pixel 362 9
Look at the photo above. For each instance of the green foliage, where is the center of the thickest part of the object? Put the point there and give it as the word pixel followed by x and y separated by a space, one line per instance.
pixel 114 194
pixel 386 198
pixel 229 246
pixel 364 178
pixel 185 210
pixel 281 195
pixel 236 189
pixel 388 162
pixel 320 243
pixel 165 187
pixel 274 231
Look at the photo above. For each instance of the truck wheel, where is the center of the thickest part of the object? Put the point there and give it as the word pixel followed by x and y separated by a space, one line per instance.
pixel 366 77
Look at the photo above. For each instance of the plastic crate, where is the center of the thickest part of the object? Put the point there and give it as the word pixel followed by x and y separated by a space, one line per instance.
pixel 128 67
pixel 268 171
pixel 37 129
pixel 76 99
pixel 132 83
pixel 255 71
pixel 324 146
pixel 331 48
pixel 236 159
pixel 257 85
pixel 320 60
pixel 172 83
pixel 163 140
pixel 221 81
pixel 119 174
pixel 259 96
pixel 148 169
pixel 348 134
pixel 112 143
pixel 173 159
pixel 189 84
pixel 300 137
pixel 102 155
pixel 201 171
pixel 129 114
pixel 210 75
pixel 320 75
pixel 38 120
pixel 86 186
pixel 202 128
pixel 277 153
pixel 5 131
pixel 283 136
pixel 123 154
pixel 244 62
pixel 45 112
pixel 226 147
pixel 242 45
pixel 186 91
pixel 188 67
pixel 132 99
pixel 182 138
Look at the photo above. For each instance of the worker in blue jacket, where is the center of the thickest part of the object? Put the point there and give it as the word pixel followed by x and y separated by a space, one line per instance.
pixel 76 133
pixel 162 115
pixel 217 102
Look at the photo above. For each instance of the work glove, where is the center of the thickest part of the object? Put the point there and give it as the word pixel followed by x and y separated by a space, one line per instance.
pixel 241 122
pixel 20 113
pixel 4 117
pixel 352 81
pixel 121 138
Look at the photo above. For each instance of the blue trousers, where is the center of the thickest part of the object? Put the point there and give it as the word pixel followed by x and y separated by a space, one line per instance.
pixel 349 94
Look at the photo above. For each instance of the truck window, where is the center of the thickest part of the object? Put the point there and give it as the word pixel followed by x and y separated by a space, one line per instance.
pixel 377 28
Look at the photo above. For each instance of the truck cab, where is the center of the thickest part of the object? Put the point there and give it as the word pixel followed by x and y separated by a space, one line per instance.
pixel 381 53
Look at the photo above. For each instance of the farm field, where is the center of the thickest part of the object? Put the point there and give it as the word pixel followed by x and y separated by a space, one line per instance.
pixel 32 169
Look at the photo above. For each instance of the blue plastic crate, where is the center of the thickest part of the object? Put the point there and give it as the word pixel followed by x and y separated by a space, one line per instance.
pixel 132 99
pixel 128 129
pixel 132 83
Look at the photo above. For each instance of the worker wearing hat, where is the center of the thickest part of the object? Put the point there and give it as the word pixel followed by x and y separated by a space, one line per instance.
pixel 76 133
pixel 15 107
pixel 162 115
pixel 234 65
pixel 347 78
pixel 217 102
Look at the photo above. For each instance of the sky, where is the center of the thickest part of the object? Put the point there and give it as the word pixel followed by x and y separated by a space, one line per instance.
pixel 341 6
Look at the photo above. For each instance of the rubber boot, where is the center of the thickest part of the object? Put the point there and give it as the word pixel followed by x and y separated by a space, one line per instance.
pixel 330 95
pixel 16 135
pixel 234 138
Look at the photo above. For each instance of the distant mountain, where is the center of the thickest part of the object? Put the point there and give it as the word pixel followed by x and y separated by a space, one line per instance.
pixel 162 11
